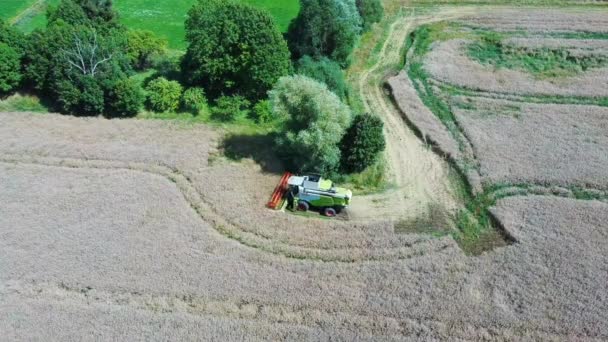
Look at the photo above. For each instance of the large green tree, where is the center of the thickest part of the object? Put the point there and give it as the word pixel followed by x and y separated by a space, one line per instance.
pixel 362 143
pixel 77 63
pixel 233 49
pixel 325 28
pixel 10 68
pixel 315 122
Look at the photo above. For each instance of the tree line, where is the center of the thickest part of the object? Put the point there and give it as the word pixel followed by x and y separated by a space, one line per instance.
pixel 84 60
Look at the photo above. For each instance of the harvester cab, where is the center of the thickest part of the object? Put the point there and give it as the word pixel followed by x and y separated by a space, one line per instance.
pixel 312 191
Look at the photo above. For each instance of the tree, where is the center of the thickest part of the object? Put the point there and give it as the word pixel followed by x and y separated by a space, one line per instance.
pixel 12 37
pixel 362 143
pixel 164 95
pixel 143 45
pixel 234 49
pixel 323 70
pixel 325 28
pixel 10 68
pixel 126 98
pixel 94 13
pixel 316 120
pixel 78 60
pixel 371 12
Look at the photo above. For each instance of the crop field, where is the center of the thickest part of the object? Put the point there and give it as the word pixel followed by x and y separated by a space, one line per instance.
pixel 165 18
pixel 145 230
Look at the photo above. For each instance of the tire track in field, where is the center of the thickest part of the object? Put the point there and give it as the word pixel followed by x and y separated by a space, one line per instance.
pixel 228 230
pixel 420 175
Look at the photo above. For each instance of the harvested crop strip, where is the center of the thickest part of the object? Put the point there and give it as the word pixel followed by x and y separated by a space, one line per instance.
pixel 541 20
pixel 537 143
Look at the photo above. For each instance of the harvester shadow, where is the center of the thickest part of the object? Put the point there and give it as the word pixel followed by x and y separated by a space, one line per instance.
pixel 258 147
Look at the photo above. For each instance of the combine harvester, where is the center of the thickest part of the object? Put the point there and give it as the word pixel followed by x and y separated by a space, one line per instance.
pixel 310 191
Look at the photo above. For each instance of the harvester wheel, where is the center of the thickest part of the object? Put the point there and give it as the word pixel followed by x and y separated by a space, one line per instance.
pixel 303 206
pixel 330 212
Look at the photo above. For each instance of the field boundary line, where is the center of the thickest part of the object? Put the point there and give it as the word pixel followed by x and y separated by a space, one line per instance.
pixel 34 8
pixel 231 231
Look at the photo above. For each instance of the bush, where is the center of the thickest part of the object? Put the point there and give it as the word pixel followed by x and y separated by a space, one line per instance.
pixel 362 143
pixel 83 96
pixel 323 70
pixel 143 46
pixel 325 28
pixel 194 100
pixel 164 95
pixel 127 98
pixel 262 112
pixel 230 108
pixel 316 120
pixel 234 49
pixel 371 12
pixel 10 68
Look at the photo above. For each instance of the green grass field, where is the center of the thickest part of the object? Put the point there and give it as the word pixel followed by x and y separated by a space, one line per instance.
pixel 164 17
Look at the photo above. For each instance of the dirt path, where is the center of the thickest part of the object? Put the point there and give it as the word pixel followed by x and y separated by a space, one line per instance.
pixel 420 176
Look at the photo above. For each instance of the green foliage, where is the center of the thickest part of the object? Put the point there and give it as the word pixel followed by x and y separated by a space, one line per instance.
pixel 230 108
pixel 126 98
pixel 94 13
pixel 194 100
pixel 542 62
pixel 262 112
pixel 234 49
pixel 12 37
pixel 324 70
pixel 80 57
pixel 143 46
pixel 316 120
pixel 164 95
pixel 371 12
pixel 10 68
pixel 325 28
pixel 362 143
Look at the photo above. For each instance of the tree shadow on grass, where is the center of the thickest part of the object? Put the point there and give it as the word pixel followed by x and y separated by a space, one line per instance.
pixel 258 147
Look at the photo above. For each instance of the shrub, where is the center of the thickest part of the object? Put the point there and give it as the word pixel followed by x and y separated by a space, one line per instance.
pixel 262 112
pixel 234 49
pixel 10 68
pixel 164 95
pixel 371 12
pixel 323 70
pixel 194 100
pixel 143 46
pixel 316 120
pixel 230 108
pixel 83 96
pixel 362 143
pixel 127 98
pixel 325 28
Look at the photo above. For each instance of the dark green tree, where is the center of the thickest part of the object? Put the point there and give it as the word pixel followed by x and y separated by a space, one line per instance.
pixel 362 143
pixel 126 98
pixel 10 68
pixel 234 49
pixel 371 12
pixel 79 59
pixel 324 70
pixel 325 28
pixel 97 13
